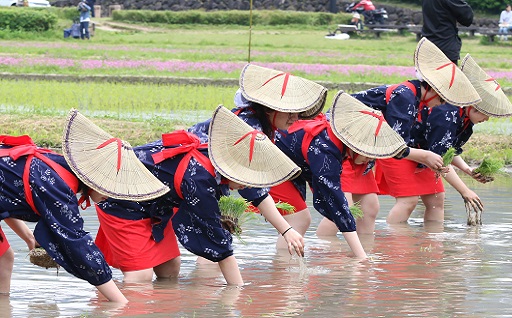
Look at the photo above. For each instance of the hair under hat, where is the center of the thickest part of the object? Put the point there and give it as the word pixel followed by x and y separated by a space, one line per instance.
pixel 364 129
pixel 245 155
pixel 106 164
pixel 282 91
pixel 443 75
pixel 494 101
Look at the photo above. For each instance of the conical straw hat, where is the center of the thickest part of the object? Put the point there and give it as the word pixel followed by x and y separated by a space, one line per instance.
pixel 282 91
pixel 107 164
pixel 364 129
pixel 232 143
pixel 444 76
pixel 494 101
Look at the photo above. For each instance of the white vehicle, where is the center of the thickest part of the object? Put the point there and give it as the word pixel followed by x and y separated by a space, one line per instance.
pixel 19 3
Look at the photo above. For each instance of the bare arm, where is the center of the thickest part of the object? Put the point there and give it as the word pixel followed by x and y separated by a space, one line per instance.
pixel 462 165
pixel 426 157
pixel 467 194
pixel 355 244
pixel 295 241
pixel 22 230
pixel 111 292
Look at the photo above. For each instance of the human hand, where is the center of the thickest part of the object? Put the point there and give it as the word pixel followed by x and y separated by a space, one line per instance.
pixel 474 208
pixel 32 243
pixel 433 161
pixel 480 178
pixel 295 242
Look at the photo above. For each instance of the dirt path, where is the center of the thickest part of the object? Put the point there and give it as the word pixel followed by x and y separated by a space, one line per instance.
pixel 113 26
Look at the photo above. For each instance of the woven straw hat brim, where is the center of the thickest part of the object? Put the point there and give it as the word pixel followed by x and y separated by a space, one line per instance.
pixel 355 124
pixel 229 150
pixel 494 101
pixel 97 167
pixel 444 76
pixel 282 91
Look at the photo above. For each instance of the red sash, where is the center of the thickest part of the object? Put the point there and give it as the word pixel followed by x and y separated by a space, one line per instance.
pixel 187 143
pixel 312 128
pixel 411 86
pixel 391 88
pixel 24 146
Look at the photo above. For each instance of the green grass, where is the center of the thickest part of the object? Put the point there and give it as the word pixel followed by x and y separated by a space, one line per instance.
pixel 140 112
pixel 201 43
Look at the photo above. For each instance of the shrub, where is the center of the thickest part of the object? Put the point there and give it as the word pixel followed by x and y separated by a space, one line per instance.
pixel 232 17
pixel 26 19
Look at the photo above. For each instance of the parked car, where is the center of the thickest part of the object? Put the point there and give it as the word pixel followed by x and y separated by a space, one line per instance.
pixel 19 3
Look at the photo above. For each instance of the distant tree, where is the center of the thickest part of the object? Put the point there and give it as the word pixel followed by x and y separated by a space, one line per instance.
pixel 488 6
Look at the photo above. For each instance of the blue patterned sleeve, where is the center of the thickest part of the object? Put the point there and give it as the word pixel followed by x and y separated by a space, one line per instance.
pixel 197 223
pixel 328 197
pixel 60 231
pixel 441 128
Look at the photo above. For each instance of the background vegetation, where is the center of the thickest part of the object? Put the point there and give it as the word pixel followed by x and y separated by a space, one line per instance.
pixel 112 77
pixel 488 6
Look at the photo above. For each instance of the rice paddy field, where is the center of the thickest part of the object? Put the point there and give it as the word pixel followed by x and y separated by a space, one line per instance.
pixel 142 80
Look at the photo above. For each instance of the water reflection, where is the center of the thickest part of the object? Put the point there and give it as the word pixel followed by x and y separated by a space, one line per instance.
pixel 416 269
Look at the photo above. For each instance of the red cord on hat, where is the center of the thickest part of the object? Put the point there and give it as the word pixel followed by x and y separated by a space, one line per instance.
pixel 285 83
pixel 253 134
pixel 380 117
pixel 453 71
pixel 493 80
pixel 119 144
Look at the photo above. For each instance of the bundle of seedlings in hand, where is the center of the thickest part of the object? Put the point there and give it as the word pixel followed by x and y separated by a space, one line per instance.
pixel 38 256
pixel 488 169
pixel 232 209
pixel 448 156
pixel 356 210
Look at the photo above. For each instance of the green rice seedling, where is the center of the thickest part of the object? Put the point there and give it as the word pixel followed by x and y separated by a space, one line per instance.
pixel 234 213
pixel 448 156
pixel 356 210
pixel 488 168
pixel 127 101
pixel 286 207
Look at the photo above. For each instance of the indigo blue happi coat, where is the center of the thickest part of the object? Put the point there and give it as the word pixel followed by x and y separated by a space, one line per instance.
pixel 440 128
pixel 59 229
pixel 314 148
pixel 400 111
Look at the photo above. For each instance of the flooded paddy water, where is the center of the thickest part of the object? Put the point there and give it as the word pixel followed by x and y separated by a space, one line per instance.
pixel 414 270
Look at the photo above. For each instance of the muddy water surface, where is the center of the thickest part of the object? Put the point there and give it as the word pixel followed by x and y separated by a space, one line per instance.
pixel 415 270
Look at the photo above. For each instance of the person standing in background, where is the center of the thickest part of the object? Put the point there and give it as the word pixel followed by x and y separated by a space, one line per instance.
pixel 505 22
pixel 440 18
pixel 85 18
pixel 91 3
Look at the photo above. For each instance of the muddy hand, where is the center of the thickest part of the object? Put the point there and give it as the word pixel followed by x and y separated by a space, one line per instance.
pixel 480 178
pixel 473 199
pixel 295 242
pixel 443 170
pixel 474 211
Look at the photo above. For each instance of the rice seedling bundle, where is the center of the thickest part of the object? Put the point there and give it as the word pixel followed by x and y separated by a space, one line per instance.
pixel 488 168
pixel 356 210
pixel 448 156
pixel 38 256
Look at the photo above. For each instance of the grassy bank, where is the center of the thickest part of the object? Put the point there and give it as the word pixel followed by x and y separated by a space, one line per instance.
pixel 46 130
pixel 220 51
pixel 140 112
